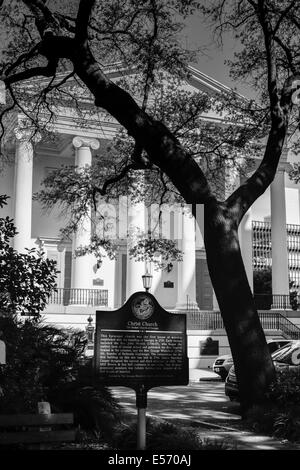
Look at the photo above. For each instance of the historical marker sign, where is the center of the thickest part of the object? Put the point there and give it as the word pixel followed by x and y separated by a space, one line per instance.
pixel 141 344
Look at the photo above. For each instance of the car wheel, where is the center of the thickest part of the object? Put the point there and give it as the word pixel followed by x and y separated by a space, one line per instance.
pixel 231 397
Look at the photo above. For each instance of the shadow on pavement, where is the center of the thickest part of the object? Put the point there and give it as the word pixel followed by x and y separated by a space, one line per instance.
pixel 205 406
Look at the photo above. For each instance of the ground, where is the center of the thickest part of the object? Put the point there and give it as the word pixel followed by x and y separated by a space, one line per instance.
pixel 202 406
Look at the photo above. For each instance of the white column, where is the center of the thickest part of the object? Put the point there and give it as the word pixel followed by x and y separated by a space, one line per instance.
pixel 280 271
pixel 199 227
pixel 200 244
pixel 186 293
pixel 107 272
pixel 23 189
pixel 82 268
pixel 245 236
pixel 135 269
pixel 216 307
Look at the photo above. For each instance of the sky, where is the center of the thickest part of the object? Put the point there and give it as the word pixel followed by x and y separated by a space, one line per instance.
pixel 211 61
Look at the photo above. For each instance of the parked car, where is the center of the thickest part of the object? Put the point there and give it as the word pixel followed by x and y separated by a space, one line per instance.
pixel 287 356
pixel 222 364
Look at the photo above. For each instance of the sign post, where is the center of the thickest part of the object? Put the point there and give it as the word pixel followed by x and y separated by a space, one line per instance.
pixel 2 352
pixel 141 346
pixel 141 404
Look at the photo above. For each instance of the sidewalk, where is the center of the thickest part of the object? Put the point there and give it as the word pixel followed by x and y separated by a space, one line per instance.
pixel 197 375
pixel 203 405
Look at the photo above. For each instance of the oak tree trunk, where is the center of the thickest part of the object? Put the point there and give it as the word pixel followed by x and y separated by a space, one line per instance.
pixel 253 363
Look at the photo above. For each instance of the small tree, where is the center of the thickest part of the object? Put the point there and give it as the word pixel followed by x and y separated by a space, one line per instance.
pixel 26 279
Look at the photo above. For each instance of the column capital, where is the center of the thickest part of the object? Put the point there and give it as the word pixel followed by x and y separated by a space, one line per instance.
pixel 80 141
pixel 284 166
pixel 187 210
pixel 27 134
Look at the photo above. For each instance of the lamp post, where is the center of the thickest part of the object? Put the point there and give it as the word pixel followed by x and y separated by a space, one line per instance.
pixel 147 281
pixel 90 330
pixel 90 334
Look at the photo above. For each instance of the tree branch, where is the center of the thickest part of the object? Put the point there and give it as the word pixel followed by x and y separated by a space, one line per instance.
pixel 283 15
pixel 66 22
pixel 255 186
pixel 163 149
pixel 240 201
pixel 288 54
pixel 46 71
pixel 44 19
pixel 150 61
pixel 22 59
pixel 83 18
pixel 115 179
pixel 264 20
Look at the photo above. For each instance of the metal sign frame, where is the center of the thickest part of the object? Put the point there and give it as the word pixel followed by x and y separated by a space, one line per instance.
pixel 141 345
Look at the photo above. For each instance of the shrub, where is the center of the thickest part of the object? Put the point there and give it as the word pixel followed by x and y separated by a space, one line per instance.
pixel 94 407
pixel 26 279
pixel 44 363
pixel 280 416
pixel 285 389
pixel 287 424
pixel 162 435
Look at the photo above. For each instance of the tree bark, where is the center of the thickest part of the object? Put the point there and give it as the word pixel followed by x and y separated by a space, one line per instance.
pixel 252 360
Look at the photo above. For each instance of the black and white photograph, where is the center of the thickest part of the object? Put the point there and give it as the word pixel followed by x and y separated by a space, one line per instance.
pixel 149 230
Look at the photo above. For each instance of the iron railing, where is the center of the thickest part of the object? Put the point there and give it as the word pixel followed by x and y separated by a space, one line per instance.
pixel 288 328
pixel 90 297
pixel 202 320
pixel 266 302
pixel 277 321
pixel 269 301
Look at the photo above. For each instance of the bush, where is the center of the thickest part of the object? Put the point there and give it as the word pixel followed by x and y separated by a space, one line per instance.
pixel 44 363
pixel 273 421
pixel 285 390
pixel 162 435
pixel 287 424
pixel 280 417
pixel 94 407
pixel 26 279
